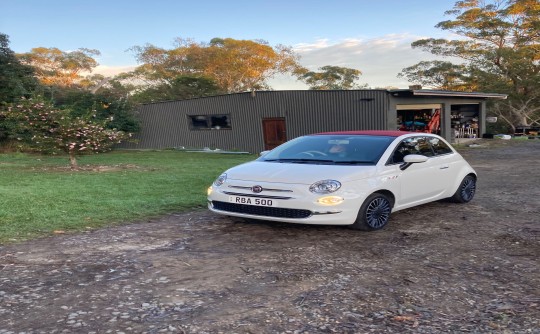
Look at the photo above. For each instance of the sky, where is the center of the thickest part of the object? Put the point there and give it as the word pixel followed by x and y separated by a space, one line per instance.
pixel 373 36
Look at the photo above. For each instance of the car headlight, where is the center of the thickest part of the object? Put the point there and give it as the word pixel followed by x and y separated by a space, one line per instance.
pixel 220 180
pixel 325 187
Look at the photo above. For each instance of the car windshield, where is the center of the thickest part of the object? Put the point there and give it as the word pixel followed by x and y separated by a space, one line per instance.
pixel 331 149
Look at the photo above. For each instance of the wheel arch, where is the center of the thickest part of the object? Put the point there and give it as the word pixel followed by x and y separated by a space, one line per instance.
pixel 466 189
pixel 459 179
pixel 363 222
pixel 388 194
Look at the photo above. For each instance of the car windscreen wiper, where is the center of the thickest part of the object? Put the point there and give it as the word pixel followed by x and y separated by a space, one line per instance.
pixel 353 162
pixel 300 161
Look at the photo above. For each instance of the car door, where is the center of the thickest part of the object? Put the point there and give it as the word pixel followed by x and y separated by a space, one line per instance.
pixel 421 182
pixel 447 162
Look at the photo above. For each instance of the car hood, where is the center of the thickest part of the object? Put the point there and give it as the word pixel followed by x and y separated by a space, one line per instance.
pixel 298 173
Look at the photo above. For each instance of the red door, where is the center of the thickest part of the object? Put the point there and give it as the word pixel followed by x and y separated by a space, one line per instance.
pixel 274 132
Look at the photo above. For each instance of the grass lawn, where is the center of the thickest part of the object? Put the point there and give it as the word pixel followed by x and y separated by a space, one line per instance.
pixel 39 195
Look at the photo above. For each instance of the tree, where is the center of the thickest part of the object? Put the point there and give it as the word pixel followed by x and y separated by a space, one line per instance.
pixel 439 75
pixel 500 48
pixel 330 77
pixel 55 67
pixel 104 105
pixel 234 65
pixel 65 86
pixel 50 130
pixel 16 80
pixel 181 88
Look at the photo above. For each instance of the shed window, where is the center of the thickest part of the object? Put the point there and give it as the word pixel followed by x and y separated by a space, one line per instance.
pixel 210 122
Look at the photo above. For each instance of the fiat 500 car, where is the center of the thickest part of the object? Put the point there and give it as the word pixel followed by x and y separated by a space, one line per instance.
pixel 355 178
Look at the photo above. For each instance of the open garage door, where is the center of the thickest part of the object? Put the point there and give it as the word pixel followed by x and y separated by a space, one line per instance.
pixel 419 117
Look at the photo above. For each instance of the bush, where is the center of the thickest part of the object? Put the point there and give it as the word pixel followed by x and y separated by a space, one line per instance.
pixel 47 129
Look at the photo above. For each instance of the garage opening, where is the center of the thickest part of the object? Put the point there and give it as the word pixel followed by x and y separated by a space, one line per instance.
pixel 464 118
pixel 419 117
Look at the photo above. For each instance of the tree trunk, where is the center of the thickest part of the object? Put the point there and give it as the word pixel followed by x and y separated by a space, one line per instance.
pixel 73 161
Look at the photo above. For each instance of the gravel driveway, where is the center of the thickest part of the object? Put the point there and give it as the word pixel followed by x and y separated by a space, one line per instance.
pixel 437 268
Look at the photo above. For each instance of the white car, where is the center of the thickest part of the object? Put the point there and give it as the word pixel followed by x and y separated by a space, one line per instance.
pixel 354 178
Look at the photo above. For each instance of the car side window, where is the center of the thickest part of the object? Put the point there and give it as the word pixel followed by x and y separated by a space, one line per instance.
pixel 413 145
pixel 439 146
pixel 423 147
pixel 400 152
pixel 418 145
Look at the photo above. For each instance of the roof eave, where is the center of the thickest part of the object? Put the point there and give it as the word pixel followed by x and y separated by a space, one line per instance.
pixel 424 92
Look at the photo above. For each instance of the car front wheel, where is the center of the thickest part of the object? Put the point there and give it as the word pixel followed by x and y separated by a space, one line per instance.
pixel 466 190
pixel 374 213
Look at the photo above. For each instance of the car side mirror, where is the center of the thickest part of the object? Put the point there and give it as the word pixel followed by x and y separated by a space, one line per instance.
pixel 263 153
pixel 410 159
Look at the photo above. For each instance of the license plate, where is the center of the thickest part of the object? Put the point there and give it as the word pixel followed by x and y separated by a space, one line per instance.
pixel 252 201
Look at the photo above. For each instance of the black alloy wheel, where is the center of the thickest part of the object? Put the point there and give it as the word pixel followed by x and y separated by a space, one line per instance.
pixel 466 190
pixel 374 213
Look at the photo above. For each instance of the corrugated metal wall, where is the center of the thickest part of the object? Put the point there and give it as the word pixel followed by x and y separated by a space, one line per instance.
pixel 167 124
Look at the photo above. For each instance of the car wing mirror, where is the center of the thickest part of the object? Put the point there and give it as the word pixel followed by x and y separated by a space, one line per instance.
pixel 410 159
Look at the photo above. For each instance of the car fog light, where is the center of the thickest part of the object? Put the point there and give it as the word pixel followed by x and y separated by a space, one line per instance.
pixel 209 191
pixel 330 200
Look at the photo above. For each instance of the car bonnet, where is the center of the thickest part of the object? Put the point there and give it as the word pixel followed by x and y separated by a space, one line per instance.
pixel 260 171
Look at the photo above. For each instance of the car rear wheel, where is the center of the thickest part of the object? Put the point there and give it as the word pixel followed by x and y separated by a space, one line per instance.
pixel 466 190
pixel 374 213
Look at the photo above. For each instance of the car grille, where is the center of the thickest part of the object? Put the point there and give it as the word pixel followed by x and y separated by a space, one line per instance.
pixel 261 210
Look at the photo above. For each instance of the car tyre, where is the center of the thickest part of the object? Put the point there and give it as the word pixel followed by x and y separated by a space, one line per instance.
pixel 374 213
pixel 466 190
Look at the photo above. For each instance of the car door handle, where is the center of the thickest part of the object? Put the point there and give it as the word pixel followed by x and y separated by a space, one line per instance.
pixel 444 167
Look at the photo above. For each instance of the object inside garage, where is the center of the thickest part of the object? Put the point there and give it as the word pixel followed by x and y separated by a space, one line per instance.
pixel 419 118
pixel 464 118
pixel 427 118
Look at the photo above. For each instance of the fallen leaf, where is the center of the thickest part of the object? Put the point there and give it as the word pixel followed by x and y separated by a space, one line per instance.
pixel 405 318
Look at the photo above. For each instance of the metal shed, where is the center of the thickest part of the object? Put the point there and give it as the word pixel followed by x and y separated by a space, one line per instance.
pixel 259 120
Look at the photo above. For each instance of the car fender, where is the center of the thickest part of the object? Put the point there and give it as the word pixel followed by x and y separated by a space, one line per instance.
pixel 362 189
pixel 459 179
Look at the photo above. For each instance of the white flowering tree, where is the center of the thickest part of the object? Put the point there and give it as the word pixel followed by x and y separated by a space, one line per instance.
pixel 50 130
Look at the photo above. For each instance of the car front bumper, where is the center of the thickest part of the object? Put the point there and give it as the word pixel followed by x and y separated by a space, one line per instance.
pixel 291 203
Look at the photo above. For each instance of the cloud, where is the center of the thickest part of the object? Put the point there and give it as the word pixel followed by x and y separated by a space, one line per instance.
pixel 379 59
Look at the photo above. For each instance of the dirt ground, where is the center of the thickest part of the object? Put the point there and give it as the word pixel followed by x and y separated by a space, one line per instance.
pixel 442 267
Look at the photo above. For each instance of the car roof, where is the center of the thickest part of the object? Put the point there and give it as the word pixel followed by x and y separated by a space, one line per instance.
pixel 386 133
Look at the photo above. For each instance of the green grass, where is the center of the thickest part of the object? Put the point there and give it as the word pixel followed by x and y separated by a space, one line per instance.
pixel 40 195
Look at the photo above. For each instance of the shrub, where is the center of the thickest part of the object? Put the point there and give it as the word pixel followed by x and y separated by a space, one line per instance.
pixel 48 129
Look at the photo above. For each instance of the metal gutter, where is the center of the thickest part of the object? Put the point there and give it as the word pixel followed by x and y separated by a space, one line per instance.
pixel 426 92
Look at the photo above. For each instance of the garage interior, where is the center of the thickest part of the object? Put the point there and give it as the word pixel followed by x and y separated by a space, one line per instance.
pixel 428 118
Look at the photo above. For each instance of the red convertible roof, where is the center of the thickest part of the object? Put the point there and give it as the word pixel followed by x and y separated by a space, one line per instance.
pixel 386 133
